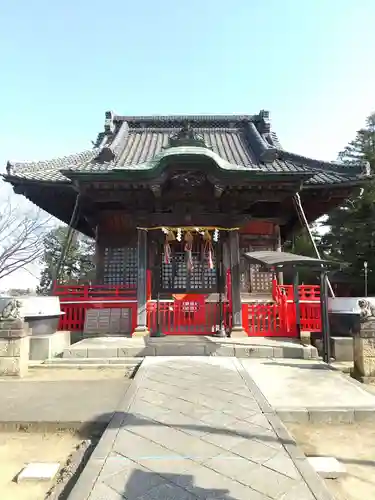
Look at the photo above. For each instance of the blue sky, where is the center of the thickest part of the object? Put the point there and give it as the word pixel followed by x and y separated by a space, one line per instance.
pixel 64 63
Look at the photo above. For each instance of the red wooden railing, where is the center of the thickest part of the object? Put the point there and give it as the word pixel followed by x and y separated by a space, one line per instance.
pixel 75 300
pixel 306 292
pixel 74 315
pixel 191 314
pixel 309 304
pixel 265 320
pixel 93 292
pixel 186 317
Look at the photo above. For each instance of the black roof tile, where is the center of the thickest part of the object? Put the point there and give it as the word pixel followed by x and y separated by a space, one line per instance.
pixel 245 141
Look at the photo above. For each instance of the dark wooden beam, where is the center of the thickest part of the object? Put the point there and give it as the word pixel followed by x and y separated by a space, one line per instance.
pixel 207 219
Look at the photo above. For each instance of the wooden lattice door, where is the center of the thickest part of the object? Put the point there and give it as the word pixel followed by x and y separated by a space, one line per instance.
pixel 175 276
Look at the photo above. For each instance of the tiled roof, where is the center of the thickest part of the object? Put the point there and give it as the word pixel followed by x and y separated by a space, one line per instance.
pixel 134 143
pixel 49 170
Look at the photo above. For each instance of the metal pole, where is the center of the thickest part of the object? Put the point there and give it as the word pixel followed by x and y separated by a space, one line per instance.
pixel 325 319
pixel 302 217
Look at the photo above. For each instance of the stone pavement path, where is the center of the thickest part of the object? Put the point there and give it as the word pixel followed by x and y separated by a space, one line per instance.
pixel 68 402
pixel 194 429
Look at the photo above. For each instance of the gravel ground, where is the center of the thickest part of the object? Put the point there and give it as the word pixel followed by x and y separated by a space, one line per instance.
pixel 353 445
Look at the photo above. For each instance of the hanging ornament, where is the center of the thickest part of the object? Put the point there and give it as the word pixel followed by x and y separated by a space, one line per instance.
pixel 206 235
pixel 189 250
pixel 179 234
pixel 169 236
pixel 167 252
pixel 208 249
pixel 216 236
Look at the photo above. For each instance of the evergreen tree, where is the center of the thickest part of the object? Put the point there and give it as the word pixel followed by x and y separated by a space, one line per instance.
pixel 351 237
pixel 300 244
pixel 77 266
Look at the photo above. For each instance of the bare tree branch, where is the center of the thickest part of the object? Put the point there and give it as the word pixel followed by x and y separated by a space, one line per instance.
pixel 21 237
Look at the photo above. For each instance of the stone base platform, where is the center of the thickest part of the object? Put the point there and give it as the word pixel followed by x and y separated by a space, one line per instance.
pixel 305 391
pixel 44 347
pixel 123 347
pixel 341 348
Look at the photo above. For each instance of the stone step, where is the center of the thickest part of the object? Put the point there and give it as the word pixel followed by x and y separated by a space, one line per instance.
pixel 123 349
pixel 128 361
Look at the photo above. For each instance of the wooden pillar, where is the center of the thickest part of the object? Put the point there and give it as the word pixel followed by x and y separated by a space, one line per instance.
pixel 234 248
pixel 99 259
pixel 141 330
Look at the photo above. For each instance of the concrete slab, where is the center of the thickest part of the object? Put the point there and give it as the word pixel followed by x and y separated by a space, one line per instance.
pixel 196 428
pixel 327 467
pixel 301 390
pixel 38 471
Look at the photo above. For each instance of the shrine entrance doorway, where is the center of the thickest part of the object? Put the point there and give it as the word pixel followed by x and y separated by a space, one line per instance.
pixel 188 291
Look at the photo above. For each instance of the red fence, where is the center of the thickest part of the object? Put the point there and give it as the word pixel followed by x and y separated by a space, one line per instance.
pixel 188 317
pixel 309 304
pixel 192 315
pixel 92 292
pixel 265 320
pixel 306 292
pixel 75 300
pixel 74 315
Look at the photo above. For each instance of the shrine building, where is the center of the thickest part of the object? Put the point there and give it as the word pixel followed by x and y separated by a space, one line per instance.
pixel 173 202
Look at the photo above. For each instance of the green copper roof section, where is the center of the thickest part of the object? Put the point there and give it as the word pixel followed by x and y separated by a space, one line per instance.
pixel 189 152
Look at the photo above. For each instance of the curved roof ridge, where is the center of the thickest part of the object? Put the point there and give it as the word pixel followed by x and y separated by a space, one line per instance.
pixel 177 118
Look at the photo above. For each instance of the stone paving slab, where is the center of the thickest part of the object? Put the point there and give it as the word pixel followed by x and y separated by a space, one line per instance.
pixel 197 428
pixel 310 390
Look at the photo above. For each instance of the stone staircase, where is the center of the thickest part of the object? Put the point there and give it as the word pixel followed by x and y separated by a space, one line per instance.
pixel 122 351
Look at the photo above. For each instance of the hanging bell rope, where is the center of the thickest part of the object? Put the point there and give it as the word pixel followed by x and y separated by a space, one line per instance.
pixel 208 249
pixel 189 238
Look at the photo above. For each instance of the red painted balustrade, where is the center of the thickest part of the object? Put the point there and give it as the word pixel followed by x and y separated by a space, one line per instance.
pixel 191 314
pixel 75 300
pixel 77 293
pixel 74 315
pixel 309 304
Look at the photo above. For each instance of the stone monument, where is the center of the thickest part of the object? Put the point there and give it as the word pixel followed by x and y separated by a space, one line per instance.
pixel 364 344
pixel 14 339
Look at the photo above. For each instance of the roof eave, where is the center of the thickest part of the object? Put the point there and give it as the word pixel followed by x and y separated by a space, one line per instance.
pixel 14 180
pixel 344 184
pixel 323 166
